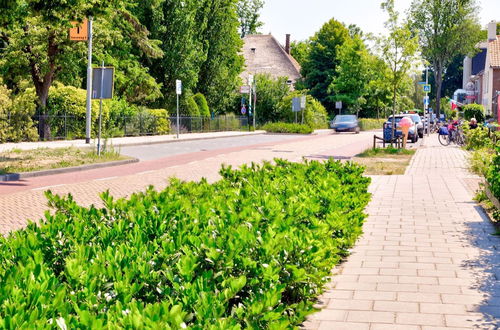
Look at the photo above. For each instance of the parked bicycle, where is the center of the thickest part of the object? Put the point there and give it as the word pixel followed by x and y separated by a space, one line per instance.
pixel 451 133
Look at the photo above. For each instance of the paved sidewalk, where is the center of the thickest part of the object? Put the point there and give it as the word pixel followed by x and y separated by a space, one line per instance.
pixel 123 141
pixel 427 259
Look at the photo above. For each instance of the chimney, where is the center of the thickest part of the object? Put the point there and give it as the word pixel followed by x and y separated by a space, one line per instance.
pixel 287 44
pixel 492 31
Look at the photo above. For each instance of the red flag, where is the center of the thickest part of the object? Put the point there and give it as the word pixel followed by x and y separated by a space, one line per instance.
pixel 453 105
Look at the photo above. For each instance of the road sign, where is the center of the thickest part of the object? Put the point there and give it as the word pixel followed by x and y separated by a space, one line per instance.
pixel 178 87
pixel 338 105
pixel 426 100
pixel 296 104
pixel 303 101
pixel 422 83
pixel 427 88
pixel 245 89
pixel 102 83
pixel 79 31
pixel 243 110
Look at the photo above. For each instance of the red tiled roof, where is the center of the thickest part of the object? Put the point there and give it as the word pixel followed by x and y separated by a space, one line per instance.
pixel 494 51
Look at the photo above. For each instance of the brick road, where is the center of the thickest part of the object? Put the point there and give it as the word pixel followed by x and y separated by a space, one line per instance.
pixel 25 199
pixel 427 259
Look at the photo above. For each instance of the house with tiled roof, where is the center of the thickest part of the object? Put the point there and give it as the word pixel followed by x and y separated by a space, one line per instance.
pixel 482 73
pixel 264 54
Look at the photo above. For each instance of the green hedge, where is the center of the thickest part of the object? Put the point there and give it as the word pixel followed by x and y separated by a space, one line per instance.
pixel 287 128
pixel 493 175
pixel 367 124
pixel 474 111
pixel 250 251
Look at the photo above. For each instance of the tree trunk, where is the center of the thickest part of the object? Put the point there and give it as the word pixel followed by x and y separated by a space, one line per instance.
pixel 438 69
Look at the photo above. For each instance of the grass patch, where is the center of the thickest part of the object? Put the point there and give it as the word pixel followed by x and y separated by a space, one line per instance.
pixel 388 161
pixel 21 161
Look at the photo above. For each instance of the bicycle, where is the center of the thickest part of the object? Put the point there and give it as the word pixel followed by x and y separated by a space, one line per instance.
pixel 457 136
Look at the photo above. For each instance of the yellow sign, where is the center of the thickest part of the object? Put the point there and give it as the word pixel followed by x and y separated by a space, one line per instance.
pixel 79 31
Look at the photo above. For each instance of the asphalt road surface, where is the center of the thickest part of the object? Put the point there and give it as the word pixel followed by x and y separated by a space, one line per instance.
pixel 161 150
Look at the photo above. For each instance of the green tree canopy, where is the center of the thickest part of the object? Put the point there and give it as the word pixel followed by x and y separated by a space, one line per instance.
pixel 353 74
pixel 447 28
pixel 248 14
pixel 320 67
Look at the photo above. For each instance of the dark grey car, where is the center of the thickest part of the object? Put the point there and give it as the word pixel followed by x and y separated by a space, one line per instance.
pixel 345 123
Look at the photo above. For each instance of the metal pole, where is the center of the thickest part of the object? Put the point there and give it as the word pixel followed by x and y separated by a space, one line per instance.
pixel 250 103
pixel 254 105
pixel 100 112
pixel 426 107
pixel 177 115
pixel 88 125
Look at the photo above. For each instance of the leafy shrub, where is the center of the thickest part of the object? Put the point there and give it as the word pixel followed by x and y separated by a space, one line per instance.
pixel 252 250
pixel 480 160
pixel 287 128
pixel 367 124
pixel 493 173
pixel 161 122
pixel 201 101
pixel 191 108
pixel 67 110
pixel 315 114
pixel 147 122
pixel 15 116
pixel 477 138
pixel 474 111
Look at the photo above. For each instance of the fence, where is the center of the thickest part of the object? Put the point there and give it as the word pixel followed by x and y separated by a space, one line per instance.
pixel 66 127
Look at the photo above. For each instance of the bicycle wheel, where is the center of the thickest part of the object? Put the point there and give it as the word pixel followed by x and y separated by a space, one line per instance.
pixel 444 139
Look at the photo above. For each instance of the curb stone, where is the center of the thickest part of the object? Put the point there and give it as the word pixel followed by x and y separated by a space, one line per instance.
pixel 20 176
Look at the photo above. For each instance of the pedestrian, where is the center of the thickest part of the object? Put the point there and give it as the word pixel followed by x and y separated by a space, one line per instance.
pixel 473 123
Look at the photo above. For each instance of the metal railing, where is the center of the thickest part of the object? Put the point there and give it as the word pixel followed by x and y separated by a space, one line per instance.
pixel 68 127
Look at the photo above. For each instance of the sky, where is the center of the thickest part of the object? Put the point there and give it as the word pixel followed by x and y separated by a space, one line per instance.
pixel 303 18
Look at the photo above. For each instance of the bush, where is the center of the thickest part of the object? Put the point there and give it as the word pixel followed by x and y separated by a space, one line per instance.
pixel 493 174
pixel 477 138
pixel 480 161
pixel 367 124
pixel 191 109
pixel 67 109
pixel 201 101
pixel 15 116
pixel 161 122
pixel 287 128
pixel 315 114
pixel 474 111
pixel 250 251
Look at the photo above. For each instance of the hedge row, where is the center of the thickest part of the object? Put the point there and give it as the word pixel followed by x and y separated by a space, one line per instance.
pixel 287 128
pixel 250 251
pixel 493 173
pixel 367 124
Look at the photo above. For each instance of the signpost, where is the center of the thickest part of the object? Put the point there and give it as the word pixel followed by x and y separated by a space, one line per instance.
pixel 245 89
pixel 102 88
pixel 338 105
pixel 82 32
pixel 427 88
pixel 178 91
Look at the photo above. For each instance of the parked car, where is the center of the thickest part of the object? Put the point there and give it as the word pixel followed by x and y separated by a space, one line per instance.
pixel 412 132
pixel 420 124
pixel 345 123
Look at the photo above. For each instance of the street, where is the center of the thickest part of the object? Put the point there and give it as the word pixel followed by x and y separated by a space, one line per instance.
pixel 24 199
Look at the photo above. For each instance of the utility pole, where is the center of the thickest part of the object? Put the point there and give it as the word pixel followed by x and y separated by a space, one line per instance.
pixel 89 86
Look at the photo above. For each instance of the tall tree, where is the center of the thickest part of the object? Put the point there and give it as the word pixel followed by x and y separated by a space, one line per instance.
pixel 320 67
pixel 353 74
pixel 218 77
pixel 399 50
pixel 300 50
pixel 249 16
pixel 447 28
pixel 37 43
